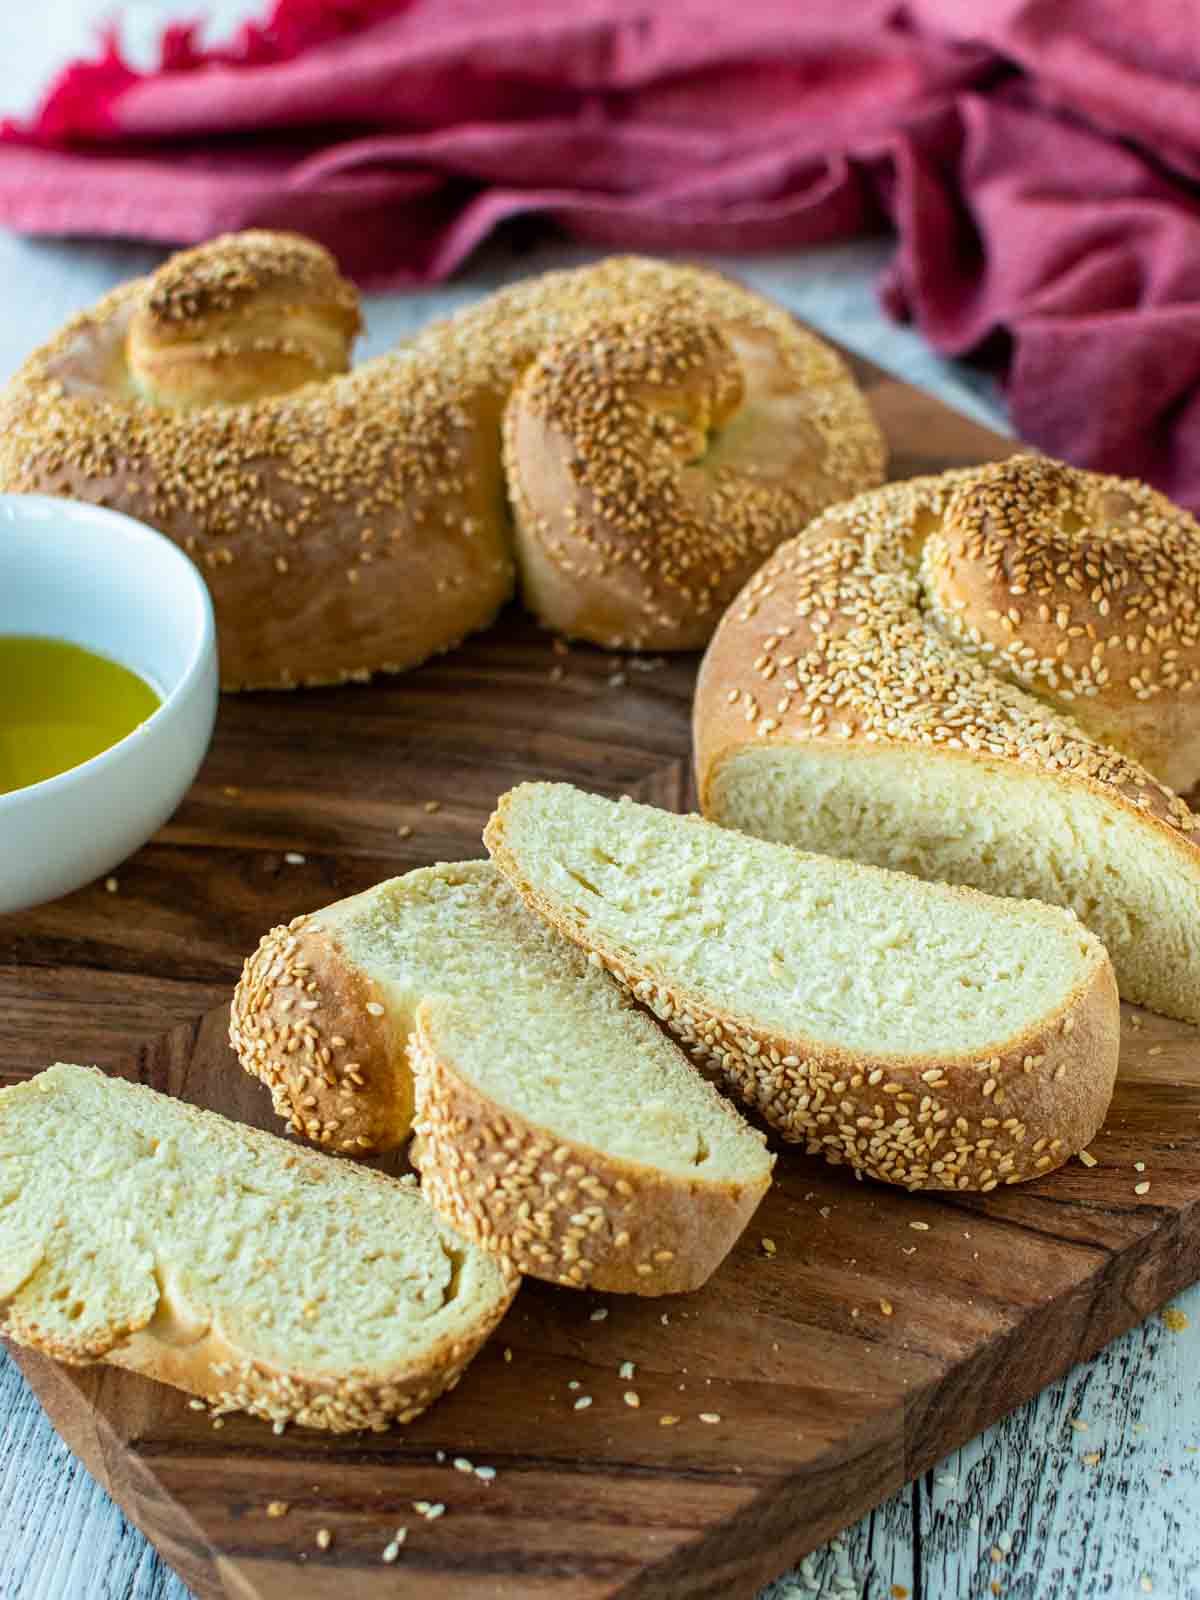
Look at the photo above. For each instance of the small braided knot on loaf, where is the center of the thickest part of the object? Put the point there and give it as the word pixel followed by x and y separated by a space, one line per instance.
pixel 629 440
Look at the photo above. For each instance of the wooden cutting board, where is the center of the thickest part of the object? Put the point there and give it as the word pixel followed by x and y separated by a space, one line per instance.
pixel 803 1385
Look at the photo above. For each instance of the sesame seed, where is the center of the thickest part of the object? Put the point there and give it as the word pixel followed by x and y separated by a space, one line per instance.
pixel 1143 1187
pixel 920 1227
pixel 324 1538
pixel 886 1307
pixel 1087 1158
pixel 710 1416
pixel 632 1398
pixel 626 1370
pixel 599 1314
pixel 278 1508
pixel 433 805
pixel 667 1421
pixel 294 858
pixel 404 831
pixel 583 1402
pixel 375 1008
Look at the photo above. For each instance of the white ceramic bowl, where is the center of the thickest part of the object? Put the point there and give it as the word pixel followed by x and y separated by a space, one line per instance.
pixel 104 581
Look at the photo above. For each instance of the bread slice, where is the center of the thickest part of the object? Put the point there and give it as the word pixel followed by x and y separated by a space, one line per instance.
pixel 559 1127
pixel 138 1230
pixel 930 1036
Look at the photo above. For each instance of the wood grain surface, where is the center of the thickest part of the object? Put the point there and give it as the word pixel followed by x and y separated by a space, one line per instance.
pixel 885 1329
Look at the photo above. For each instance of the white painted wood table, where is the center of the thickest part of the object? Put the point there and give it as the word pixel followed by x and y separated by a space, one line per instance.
pixel 1091 1490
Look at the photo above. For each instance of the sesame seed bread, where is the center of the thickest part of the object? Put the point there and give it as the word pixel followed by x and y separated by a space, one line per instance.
pixel 741 425
pixel 350 522
pixel 861 698
pixel 594 1162
pixel 929 1036
pixel 143 1232
pixel 558 1125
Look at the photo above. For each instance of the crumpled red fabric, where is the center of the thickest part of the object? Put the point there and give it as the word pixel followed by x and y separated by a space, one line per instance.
pixel 1038 159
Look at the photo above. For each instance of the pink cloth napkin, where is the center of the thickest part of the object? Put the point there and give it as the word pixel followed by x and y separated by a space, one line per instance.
pixel 1039 160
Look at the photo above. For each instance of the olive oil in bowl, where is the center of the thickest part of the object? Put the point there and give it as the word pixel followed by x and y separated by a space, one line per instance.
pixel 60 705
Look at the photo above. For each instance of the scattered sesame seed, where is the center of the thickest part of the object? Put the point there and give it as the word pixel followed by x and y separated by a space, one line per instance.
pixel 324 1538
pixel 1139 1166
pixel 507 1353
pixel 433 805
pixel 768 1247
pixel 294 858
pixel 583 1402
pixel 197 1405
pixel 1143 1187
pixel 486 1474
pixel 1088 1158
pixel 919 1227
pixel 111 885
pixel 632 1398
pixel 886 1307
pixel 391 1552
pixel 667 1421
pixel 710 1416
pixel 404 831
pixel 231 789
pixel 278 1508
pixel 625 1370
pixel 599 1314
pixel 461 1464
pixel 1155 1050
pixel 375 1008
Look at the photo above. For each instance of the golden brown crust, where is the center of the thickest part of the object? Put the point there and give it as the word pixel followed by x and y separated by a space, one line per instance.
pixel 967 1122
pixel 830 643
pixel 242 317
pixel 310 1024
pixel 317 513
pixel 1085 590
pixel 556 1209
pixel 216 1371
pixel 307 513
pixel 655 455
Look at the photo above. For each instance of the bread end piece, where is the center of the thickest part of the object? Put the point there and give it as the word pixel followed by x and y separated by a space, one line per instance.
pixel 312 1025
pixel 561 1211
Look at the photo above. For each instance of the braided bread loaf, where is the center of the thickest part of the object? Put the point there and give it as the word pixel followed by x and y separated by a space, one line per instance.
pixel 989 678
pixel 656 431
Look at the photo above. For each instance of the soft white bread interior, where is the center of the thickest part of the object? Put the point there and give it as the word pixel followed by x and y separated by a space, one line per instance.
pixel 930 1036
pixel 139 1230
pixel 558 1125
